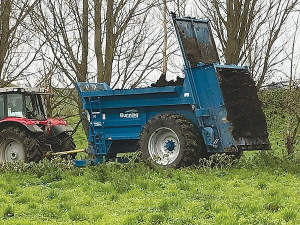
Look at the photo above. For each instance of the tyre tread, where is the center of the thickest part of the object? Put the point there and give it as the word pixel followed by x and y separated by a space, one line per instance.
pixel 33 150
pixel 189 131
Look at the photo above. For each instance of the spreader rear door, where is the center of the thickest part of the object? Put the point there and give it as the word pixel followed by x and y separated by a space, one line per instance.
pixel 196 41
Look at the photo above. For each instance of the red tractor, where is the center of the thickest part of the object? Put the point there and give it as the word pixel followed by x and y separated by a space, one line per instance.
pixel 25 131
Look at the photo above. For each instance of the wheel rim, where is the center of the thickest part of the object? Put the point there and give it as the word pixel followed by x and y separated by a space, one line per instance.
pixel 12 150
pixel 164 146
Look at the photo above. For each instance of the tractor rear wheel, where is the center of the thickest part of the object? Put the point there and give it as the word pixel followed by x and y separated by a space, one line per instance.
pixel 66 144
pixel 16 145
pixel 171 140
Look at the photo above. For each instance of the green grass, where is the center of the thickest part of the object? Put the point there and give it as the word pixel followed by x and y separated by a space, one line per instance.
pixel 260 189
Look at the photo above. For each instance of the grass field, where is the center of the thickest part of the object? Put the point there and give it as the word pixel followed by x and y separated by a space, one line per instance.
pixel 261 188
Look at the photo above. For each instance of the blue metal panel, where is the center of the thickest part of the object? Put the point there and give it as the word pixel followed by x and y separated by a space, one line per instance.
pixel 212 111
pixel 126 92
pixel 139 102
pixel 121 114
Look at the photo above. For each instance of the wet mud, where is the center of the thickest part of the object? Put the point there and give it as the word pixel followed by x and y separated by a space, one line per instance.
pixel 162 82
pixel 199 45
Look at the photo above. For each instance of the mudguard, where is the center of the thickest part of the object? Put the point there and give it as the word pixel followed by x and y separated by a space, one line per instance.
pixel 21 122
pixel 58 129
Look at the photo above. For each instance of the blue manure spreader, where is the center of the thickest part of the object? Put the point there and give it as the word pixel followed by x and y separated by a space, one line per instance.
pixel 215 109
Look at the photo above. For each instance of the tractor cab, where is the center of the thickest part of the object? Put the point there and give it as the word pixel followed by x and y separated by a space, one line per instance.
pixel 22 102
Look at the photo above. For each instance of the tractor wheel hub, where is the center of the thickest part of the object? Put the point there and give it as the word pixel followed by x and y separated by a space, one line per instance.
pixel 13 155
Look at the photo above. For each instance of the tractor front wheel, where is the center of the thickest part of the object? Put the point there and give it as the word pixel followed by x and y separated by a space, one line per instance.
pixel 16 145
pixel 171 140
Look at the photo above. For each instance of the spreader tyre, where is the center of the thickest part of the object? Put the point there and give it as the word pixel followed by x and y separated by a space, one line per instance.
pixel 170 140
pixel 16 145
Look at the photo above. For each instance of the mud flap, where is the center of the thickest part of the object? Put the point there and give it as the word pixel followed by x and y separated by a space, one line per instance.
pixel 247 121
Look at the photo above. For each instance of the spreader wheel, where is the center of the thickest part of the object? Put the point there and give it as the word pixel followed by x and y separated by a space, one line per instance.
pixel 171 140
pixel 16 145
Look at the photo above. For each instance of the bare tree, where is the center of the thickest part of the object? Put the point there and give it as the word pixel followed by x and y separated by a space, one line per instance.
pixel 61 99
pixel 164 68
pixel 248 31
pixel 64 27
pixel 17 52
pixel 180 7
pixel 122 45
pixel 138 59
pixel 280 13
pixel 125 42
pixel 124 52
pixel 293 94
pixel 171 58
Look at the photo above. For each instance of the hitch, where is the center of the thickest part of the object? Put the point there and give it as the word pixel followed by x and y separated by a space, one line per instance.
pixel 76 127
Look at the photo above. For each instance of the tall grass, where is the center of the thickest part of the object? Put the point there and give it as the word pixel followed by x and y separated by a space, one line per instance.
pixel 261 188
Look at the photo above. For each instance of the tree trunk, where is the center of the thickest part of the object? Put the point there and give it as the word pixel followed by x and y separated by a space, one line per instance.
pixel 4 35
pixel 85 50
pixel 290 145
pixel 110 42
pixel 83 65
pixel 164 68
pixel 98 41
